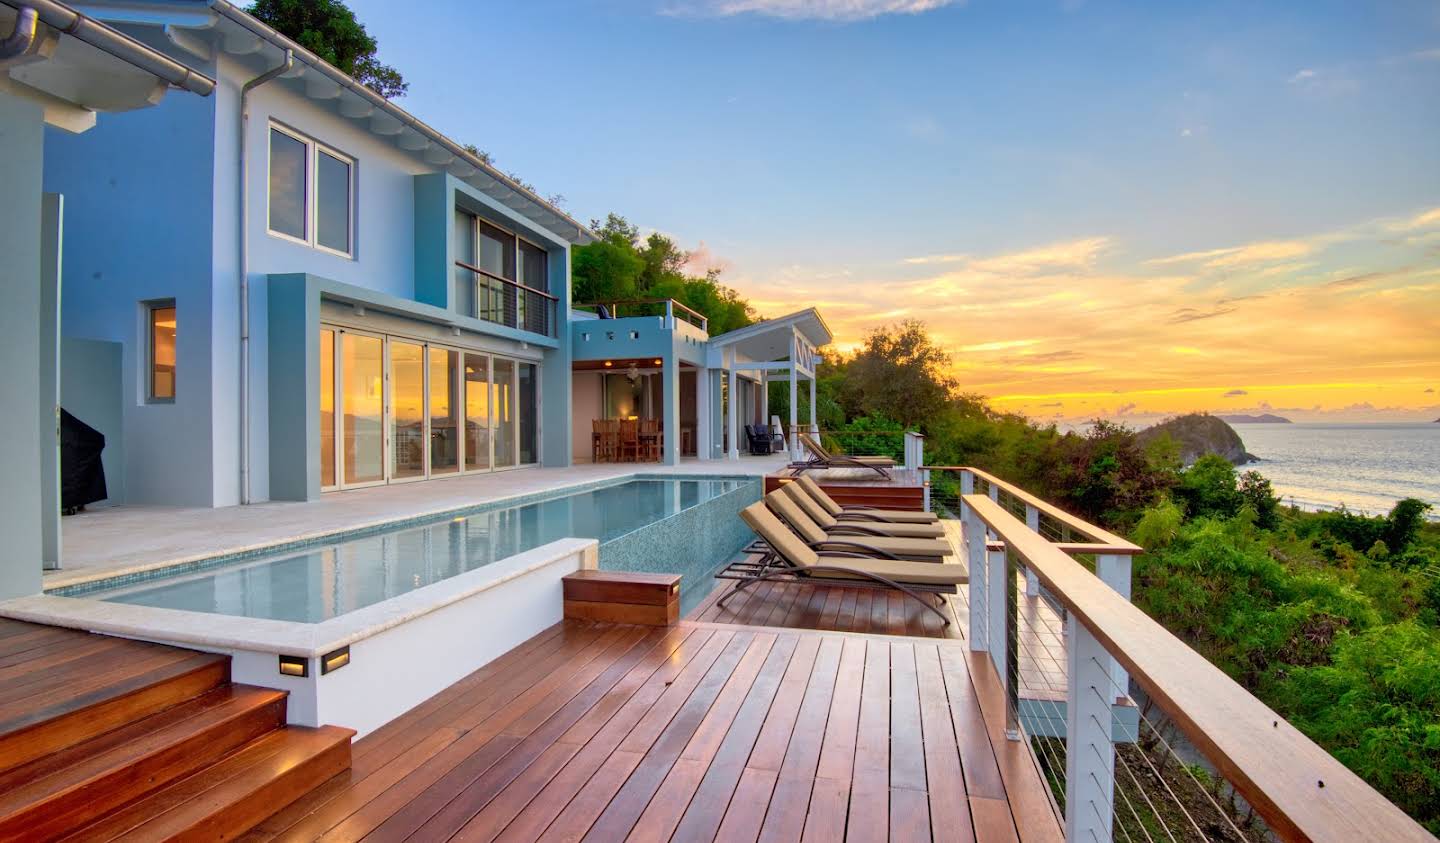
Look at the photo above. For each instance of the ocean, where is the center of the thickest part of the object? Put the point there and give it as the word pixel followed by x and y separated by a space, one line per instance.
pixel 1365 467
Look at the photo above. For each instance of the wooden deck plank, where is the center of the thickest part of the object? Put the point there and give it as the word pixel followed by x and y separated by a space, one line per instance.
pixel 949 806
pixel 790 797
pixel 870 777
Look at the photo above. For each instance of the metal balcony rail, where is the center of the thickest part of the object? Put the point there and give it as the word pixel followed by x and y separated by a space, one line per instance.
pixel 669 308
pixel 512 304
pixel 1146 740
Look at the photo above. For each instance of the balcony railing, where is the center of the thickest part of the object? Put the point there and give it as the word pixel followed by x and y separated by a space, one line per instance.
pixel 668 308
pixel 509 303
pixel 1153 742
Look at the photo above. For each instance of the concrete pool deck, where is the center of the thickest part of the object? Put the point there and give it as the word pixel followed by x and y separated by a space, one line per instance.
pixel 108 541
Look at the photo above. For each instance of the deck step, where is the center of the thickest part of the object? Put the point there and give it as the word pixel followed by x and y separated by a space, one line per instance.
pixel 117 770
pixel 235 794
pixel 91 698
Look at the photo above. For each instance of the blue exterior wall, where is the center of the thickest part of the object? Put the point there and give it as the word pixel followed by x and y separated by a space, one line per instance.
pixel 138 201
pixel 22 138
pixel 90 388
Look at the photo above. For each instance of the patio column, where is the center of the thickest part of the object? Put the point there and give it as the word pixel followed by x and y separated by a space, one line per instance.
pixel 765 397
pixel 702 414
pixel 814 428
pixel 732 399
pixel 794 413
pixel 670 410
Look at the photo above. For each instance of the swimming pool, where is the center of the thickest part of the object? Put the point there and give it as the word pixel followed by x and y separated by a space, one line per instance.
pixel 688 526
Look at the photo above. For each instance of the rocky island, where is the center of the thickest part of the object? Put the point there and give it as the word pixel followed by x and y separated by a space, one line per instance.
pixel 1198 434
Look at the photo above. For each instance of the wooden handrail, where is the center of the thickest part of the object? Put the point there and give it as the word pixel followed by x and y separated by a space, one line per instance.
pixel 503 280
pixel 1101 540
pixel 1302 792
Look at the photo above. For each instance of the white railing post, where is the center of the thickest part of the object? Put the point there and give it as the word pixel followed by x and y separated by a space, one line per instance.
pixel 914 450
pixel 925 485
pixel 974 534
pixel 1000 602
pixel 1032 520
pixel 1114 571
pixel 669 314
pixel 1089 751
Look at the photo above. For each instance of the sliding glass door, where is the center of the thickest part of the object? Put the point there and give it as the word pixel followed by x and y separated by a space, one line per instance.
pixel 394 409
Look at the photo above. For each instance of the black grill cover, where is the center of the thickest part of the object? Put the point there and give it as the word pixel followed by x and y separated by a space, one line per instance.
pixel 82 476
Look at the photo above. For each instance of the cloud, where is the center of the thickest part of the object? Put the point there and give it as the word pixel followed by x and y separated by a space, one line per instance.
pixel 929 259
pixel 1264 252
pixel 924 128
pixel 1190 314
pixel 1301 76
pixel 830 10
pixel 1429 390
pixel 1067 254
pixel 1235 393
pixel 998 346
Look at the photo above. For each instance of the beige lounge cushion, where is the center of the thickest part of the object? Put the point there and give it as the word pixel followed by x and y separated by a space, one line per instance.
pixel 902 516
pixel 903 572
pixel 790 512
pixel 827 521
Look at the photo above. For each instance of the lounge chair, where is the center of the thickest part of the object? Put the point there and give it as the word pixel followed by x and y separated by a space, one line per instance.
pixel 759 437
pixel 857 512
pixel 821 458
pixel 789 559
pixel 821 516
pixel 852 536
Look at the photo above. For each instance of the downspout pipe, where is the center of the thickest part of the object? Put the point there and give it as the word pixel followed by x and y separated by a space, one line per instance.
pixel 244 252
pixel 18 43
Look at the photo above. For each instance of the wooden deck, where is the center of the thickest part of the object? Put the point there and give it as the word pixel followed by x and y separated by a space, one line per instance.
pixel 698 731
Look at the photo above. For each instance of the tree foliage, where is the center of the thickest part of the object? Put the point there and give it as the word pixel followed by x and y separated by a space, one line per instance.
pixel 620 266
pixel 329 29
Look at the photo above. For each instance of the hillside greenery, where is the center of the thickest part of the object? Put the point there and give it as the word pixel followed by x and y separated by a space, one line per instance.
pixel 1332 619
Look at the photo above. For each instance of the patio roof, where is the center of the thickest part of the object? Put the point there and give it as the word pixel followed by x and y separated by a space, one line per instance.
pixel 770 339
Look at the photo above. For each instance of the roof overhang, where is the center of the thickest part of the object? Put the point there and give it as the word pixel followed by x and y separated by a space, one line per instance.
pixel 75 66
pixel 771 339
pixel 204 27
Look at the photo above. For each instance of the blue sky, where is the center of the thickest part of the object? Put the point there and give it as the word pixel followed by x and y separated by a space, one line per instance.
pixel 837 149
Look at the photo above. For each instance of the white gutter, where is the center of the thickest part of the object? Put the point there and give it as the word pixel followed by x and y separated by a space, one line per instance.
pixel 117 44
pixel 244 250
pixel 319 65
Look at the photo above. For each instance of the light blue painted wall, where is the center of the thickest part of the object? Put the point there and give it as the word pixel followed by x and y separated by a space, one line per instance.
pixel 138 200
pixel 22 139
pixel 90 388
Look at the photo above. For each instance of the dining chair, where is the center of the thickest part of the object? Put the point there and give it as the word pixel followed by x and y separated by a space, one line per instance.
pixel 629 440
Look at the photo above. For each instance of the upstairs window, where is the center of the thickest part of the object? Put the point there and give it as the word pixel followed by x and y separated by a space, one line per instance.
pixel 311 193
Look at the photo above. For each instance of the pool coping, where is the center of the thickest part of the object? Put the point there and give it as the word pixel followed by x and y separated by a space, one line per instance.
pixel 74 585
pixel 292 638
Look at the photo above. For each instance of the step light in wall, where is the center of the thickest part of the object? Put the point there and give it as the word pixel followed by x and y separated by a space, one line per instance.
pixel 294 666
pixel 334 660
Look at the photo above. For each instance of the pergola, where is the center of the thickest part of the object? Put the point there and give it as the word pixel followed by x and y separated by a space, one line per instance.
pixel 786 345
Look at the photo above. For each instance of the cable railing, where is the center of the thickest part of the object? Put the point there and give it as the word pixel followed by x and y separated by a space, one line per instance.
pixel 668 308
pixel 497 299
pixel 1139 737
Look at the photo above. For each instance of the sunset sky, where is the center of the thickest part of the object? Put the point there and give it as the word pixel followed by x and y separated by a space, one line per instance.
pixel 1100 209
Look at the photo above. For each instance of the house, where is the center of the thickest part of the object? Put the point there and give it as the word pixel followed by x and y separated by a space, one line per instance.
pixel 376 305
pixel 58 69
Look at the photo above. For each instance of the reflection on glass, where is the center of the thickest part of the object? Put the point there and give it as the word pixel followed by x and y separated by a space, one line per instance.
pixel 465 252
pixel 362 379
pixel 327 407
pixel 477 412
pixel 444 411
pixel 529 446
pixel 407 410
pixel 503 410
pixel 332 202
pixel 287 184
pixel 497 257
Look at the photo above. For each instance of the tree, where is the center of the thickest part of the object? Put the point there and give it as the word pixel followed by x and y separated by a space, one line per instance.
pixel 329 29
pixel 1208 488
pixel 899 373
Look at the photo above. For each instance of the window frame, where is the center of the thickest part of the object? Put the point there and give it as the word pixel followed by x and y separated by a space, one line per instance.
pixel 150 307
pixel 313 148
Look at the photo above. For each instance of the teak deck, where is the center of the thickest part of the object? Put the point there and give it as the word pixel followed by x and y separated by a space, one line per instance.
pixel 698 731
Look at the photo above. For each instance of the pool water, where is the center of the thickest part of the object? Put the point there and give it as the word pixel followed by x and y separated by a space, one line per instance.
pixel 317 582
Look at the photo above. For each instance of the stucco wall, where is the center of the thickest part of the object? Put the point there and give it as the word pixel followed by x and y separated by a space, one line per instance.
pixel 90 390
pixel 22 138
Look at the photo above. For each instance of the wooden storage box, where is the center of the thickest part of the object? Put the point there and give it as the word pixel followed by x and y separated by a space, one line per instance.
pixel 623 597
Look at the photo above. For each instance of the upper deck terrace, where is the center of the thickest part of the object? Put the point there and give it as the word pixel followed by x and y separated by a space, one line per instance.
pixel 815 712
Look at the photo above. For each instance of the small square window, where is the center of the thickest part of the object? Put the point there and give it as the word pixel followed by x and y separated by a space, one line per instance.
pixel 160 352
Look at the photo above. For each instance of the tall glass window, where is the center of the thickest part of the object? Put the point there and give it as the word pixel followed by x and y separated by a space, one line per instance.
pixel 477 412
pixel 497 257
pixel 503 410
pixel 465 252
pixel 289 184
pixel 526 391
pixel 332 202
pixel 407 410
pixel 362 373
pixel 327 407
pixel 444 411
pixel 160 325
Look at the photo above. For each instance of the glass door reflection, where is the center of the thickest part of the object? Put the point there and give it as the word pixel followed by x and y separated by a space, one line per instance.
pixel 407 410
pixel 444 411
pixel 362 373
pixel 503 412
pixel 477 412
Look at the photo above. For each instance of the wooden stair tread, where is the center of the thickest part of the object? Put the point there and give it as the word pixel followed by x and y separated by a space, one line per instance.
pixel 234 794
pixel 103 781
